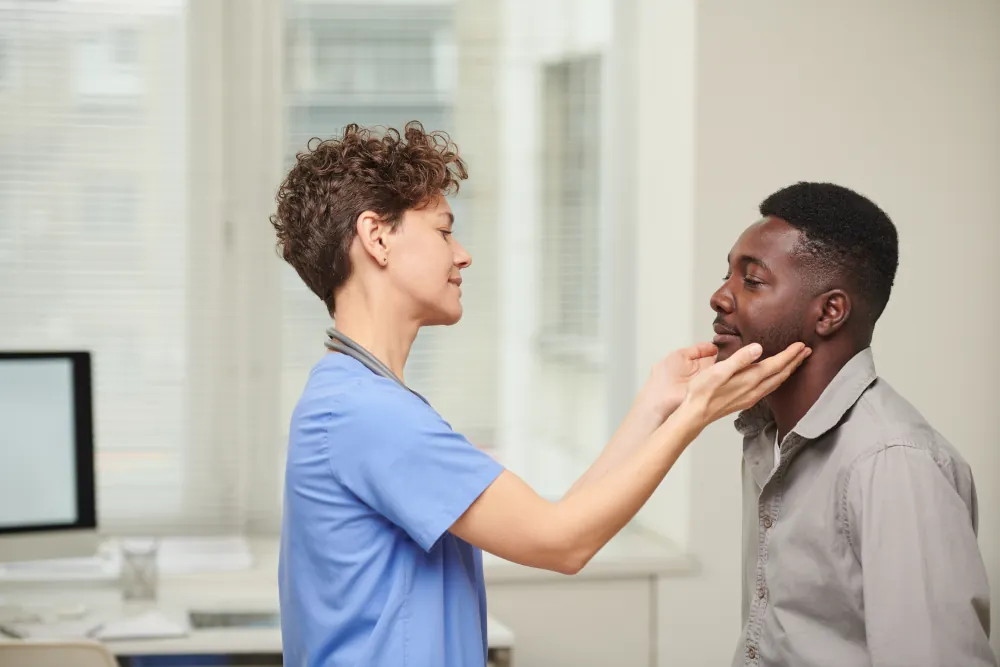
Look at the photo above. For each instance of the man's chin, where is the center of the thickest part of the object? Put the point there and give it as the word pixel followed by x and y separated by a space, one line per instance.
pixel 727 350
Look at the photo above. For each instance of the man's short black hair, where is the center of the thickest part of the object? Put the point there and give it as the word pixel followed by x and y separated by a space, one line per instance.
pixel 844 233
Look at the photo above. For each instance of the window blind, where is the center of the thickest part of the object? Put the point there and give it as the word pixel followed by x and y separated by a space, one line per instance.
pixel 92 233
pixel 572 271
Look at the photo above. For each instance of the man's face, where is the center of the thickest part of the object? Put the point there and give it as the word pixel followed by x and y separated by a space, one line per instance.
pixel 764 297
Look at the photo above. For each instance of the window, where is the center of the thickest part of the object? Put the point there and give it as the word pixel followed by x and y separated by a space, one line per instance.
pixel 567 416
pixel 376 66
pixel 571 177
pixel 523 375
pixel 354 56
pixel 4 61
pixel 102 248
pixel 6 221
pixel 107 62
pixel 111 244
pixel 93 235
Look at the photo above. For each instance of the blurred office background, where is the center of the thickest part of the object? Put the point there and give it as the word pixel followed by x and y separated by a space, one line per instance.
pixel 616 148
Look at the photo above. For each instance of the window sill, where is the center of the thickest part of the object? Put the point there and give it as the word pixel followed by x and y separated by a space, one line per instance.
pixel 632 554
pixel 585 352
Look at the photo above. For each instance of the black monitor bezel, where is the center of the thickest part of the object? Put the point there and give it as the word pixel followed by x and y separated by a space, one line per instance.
pixel 83 412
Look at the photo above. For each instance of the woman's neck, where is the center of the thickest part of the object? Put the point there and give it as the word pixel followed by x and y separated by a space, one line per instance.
pixel 376 327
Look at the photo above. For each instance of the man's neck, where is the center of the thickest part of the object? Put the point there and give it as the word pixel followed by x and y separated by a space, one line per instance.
pixel 376 327
pixel 790 402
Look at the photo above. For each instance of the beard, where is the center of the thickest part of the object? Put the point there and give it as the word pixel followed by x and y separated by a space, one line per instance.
pixel 775 338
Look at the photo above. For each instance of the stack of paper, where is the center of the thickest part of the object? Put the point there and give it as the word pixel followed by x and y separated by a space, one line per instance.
pixel 148 625
pixel 175 555
pixel 54 630
pixel 186 555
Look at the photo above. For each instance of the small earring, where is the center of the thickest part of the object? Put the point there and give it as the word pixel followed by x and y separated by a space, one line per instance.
pixel 385 260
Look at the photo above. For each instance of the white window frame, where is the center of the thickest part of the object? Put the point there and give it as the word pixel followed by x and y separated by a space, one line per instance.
pixel 235 137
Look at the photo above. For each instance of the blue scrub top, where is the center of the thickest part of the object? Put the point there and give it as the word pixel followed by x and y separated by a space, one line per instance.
pixel 368 573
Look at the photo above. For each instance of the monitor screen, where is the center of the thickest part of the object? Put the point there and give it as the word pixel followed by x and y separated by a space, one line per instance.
pixel 46 442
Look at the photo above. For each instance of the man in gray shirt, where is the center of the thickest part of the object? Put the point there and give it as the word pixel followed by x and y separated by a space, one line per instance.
pixel 859 519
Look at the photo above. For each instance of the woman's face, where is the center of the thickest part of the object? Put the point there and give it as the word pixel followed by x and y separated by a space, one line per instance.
pixel 425 261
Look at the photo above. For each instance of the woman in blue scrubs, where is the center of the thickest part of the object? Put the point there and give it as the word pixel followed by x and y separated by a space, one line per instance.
pixel 386 508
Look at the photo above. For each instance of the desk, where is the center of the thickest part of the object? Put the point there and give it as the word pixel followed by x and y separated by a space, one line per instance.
pixel 617 598
pixel 253 590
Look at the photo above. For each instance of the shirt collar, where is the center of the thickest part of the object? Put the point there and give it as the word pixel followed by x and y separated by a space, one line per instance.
pixel 839 396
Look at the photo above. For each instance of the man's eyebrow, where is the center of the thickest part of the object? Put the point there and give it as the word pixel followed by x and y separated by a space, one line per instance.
pixel 750 259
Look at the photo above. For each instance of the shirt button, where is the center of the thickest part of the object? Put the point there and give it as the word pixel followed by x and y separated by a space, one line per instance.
pixel 761 592
pixel 767 522
pixel 751 653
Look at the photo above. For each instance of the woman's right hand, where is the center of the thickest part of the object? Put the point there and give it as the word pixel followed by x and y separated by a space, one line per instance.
pixel 738 383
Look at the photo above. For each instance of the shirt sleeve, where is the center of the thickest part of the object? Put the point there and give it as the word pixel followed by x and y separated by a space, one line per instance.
pixel 925 590
pixel 398 456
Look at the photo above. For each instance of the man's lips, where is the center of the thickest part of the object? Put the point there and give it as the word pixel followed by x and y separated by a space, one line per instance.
pixel 725 334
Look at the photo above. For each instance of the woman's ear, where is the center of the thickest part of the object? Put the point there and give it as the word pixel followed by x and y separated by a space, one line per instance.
pixel 371 232
pixel 835 310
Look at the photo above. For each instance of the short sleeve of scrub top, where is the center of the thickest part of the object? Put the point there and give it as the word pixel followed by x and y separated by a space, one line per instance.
pixel 368 573
pixel 408 464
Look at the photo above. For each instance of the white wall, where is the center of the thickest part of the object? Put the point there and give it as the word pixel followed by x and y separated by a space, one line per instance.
pixel 900 100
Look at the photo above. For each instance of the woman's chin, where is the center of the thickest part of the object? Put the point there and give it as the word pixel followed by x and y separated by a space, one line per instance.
pixel 453 317
pixel 445 317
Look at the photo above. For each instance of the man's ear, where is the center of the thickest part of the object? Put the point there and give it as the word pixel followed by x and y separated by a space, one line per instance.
pixel 372 232
pixel 834 311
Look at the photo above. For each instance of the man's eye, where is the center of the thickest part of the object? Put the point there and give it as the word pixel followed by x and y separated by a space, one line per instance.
pixel 752 282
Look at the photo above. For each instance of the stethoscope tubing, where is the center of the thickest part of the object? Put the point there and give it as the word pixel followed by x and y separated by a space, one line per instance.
pixel 340 342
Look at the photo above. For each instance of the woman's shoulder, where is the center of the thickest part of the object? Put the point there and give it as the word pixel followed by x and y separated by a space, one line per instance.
pixel 340 387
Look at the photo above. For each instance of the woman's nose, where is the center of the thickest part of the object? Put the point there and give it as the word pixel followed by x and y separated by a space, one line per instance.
pixel 462 257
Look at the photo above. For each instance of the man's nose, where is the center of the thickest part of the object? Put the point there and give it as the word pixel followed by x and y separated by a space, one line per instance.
pixel 722 301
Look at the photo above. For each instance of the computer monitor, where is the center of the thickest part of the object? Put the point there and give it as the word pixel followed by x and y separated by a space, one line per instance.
pixel 47 498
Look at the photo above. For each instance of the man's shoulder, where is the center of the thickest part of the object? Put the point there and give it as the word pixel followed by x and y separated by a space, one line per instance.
pixel 883 418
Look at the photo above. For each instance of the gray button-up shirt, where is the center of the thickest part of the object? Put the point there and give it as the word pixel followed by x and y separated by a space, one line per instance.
pixel 860 547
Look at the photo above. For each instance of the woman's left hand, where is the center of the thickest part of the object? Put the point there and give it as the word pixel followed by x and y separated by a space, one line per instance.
pixel 668 380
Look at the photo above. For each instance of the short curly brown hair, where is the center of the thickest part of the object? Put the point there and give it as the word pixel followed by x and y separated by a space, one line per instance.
pixel 336 180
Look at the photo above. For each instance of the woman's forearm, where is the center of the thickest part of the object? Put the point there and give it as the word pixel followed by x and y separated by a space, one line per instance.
pixel 510 520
